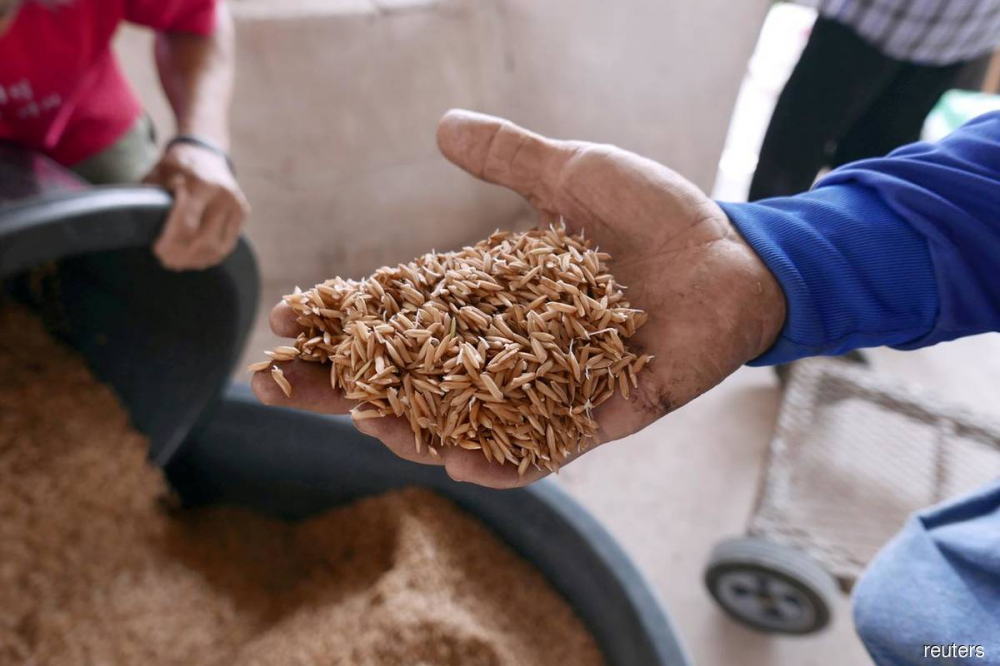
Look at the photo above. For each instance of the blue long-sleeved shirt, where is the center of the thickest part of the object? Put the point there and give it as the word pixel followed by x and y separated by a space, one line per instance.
pixel 903 251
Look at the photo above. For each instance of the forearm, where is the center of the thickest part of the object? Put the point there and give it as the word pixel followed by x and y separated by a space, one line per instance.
pixel 197 76
pixel 895 251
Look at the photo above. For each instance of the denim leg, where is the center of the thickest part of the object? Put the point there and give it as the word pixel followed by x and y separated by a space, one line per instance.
pixel 937 583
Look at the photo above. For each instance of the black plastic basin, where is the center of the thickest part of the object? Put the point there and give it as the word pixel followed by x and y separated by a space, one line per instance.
pixel 295 464
pixel 166 341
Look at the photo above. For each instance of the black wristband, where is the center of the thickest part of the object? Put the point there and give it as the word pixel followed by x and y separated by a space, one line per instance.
pixel 207 144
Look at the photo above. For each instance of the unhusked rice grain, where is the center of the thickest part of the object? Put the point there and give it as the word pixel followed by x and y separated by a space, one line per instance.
pixel 505 347
pixel 96 569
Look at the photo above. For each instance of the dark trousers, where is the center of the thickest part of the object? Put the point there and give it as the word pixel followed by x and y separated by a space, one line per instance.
pixel 845 101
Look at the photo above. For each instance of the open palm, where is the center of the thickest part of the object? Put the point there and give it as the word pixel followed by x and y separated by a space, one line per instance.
pixel 712 303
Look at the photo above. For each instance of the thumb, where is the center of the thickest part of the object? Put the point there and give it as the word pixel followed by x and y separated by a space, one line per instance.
pixel 153 176
pixel 500 152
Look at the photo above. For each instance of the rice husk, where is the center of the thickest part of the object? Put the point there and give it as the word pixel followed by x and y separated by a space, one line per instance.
pixel 98 566
pixel 505 347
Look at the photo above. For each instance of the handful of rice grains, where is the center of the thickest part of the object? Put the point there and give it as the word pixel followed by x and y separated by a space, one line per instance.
pixel 505 347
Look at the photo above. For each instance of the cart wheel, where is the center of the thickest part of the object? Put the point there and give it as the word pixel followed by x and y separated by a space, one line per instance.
pixel 770 587
pixel 855 356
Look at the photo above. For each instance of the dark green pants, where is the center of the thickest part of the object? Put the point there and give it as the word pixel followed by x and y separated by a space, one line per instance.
pixel 127 160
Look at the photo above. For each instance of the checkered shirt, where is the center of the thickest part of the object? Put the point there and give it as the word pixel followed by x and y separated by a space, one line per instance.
pixel 930 32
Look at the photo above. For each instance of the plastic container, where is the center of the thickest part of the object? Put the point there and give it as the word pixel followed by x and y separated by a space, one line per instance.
pixel 166 341
pixel 293 464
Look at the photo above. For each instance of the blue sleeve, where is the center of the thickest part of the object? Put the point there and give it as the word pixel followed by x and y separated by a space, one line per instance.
pixel 902 250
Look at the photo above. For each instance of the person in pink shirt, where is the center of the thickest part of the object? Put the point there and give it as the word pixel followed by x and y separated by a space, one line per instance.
pixel 63 94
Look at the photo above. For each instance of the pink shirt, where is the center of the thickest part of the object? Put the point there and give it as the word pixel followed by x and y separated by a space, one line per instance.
pixel 61 91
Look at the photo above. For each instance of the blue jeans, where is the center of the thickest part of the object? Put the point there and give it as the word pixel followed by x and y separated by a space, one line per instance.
pixel 932 596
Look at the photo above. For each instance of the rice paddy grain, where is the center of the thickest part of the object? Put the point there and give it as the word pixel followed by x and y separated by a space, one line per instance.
pixel 530 327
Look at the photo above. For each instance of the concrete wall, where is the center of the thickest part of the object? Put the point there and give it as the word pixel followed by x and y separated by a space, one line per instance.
pixel 659 77
pixel 337 101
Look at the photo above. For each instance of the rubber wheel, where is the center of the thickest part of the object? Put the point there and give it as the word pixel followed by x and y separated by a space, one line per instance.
pixel 770 587
pixel 854 356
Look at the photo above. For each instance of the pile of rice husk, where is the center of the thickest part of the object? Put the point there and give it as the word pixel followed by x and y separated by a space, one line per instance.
pixel 505 347
pixel 95 568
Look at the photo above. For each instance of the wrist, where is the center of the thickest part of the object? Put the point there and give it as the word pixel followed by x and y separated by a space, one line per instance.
pixel 203 143
pixel 766 301
pixel 751 297
pixel 854 271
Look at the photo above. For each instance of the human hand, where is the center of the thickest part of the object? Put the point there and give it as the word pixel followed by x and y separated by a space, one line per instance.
pixel 208 212
pixel 712 303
